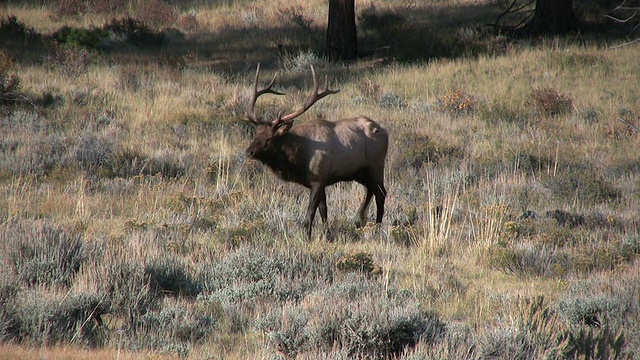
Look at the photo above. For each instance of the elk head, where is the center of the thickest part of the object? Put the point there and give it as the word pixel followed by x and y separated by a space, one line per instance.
pixel 267 131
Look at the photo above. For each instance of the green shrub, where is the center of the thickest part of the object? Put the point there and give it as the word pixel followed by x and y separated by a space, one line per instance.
pixel 8 323
pixel 79 37
pixel 116 33
pixel 604 256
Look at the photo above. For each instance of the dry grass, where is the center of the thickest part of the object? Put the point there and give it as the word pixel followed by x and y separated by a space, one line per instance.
pixel 512 174
pixel 9 351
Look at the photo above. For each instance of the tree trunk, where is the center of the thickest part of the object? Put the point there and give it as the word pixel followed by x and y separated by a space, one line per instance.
pixel 342 39
pixel 553 17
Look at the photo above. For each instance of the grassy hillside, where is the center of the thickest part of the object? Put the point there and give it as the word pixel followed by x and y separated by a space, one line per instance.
pixel 133 226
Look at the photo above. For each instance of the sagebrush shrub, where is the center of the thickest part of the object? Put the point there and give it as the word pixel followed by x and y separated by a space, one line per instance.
pixel 95 152
pixel 36 155
pixel 44 318
pixel 126 285
pixel 584 310
pixel 361 320
pixel 39 253
pixel 535 334
pixel 301 61
pixel 391 100
pixel 177 322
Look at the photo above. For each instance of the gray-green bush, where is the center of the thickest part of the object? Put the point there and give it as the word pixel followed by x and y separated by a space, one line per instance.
pixel 39 253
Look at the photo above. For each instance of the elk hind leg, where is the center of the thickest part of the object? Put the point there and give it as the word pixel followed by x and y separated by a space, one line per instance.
pixel 381 195
pixel 363 208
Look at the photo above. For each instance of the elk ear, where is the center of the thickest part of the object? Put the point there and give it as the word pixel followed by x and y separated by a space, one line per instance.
pixel 282 127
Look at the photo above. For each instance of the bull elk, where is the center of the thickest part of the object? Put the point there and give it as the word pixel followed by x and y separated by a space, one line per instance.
pixel 320 153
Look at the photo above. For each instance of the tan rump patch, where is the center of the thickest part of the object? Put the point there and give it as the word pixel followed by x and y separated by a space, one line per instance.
pixel 370 127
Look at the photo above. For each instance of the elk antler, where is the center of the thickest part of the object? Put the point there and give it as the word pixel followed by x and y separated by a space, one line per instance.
pixel 251 114
pixel 312 98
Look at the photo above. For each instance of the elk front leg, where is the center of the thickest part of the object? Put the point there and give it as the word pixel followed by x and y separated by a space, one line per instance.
pixel 317 198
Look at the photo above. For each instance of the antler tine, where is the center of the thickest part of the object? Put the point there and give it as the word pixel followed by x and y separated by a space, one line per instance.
pixel 313 97
pixel 251 114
